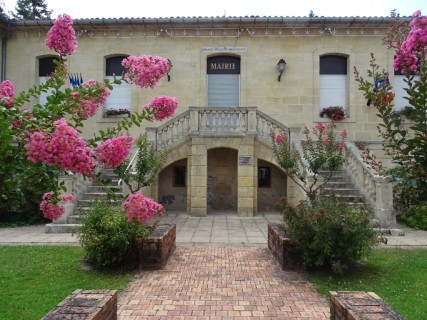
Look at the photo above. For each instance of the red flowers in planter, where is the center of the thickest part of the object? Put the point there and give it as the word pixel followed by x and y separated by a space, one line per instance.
pixel 333 113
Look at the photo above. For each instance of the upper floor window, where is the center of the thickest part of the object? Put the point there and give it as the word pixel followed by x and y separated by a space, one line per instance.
pixel 120 96
pixel 333 81
pixel 223 81
pixel 399 88
pixel 46 68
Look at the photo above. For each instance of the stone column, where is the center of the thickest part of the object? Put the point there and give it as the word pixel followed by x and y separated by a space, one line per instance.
pixel 197 178
pixel 247 173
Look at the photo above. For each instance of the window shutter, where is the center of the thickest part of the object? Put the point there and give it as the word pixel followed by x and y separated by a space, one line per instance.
pixel 120 96
pixel 333 90
pixel 223 90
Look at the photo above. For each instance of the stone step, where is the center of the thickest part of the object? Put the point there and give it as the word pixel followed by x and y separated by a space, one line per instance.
pixel 341 191
pixel 99 195
pixel 87 202
pixel 62 228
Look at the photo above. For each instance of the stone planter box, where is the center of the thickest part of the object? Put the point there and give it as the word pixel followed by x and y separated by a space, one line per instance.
pixel 154 252
pixel 283 247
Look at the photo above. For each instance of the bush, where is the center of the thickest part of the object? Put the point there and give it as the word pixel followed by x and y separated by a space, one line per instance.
pixel 109 239
pixel 415 217
pixel 330 233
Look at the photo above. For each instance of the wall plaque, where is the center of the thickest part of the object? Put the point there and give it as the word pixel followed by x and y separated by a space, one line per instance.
pixel 223 49
pixel 246 161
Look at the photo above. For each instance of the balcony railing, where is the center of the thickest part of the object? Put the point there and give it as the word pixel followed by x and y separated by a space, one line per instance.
pixel 215 121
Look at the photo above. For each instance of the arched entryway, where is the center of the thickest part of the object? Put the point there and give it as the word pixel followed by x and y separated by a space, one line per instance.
pixel 222 180
pixel 272 185
pixel 173 186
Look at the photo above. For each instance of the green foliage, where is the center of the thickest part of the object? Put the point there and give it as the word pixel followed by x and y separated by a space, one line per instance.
pixel 330 233
pixel 34 279
pixel 323 152
pixel 109 239
pixel 31 10
pixel 396 275
pixel 415 217
pixel 405 144
pixel 148 163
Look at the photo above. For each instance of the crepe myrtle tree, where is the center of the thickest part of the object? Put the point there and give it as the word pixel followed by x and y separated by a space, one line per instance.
pixel 405 144
pixel 39 142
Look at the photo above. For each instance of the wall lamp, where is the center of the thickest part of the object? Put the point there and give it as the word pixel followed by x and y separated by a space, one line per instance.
pixel 281 67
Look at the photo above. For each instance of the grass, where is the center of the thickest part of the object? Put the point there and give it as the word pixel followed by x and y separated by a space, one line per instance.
pixel 398 276
pixel 34 279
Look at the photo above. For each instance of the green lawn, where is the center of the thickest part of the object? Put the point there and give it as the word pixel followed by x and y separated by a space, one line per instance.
pixel 34 279
pixel 398 276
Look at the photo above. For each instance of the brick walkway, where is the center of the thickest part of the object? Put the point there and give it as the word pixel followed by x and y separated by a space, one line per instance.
pixel 221 283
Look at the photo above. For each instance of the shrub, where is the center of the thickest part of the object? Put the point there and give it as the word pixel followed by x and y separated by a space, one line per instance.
pixel 330 233
pixel 109 239
pixel 415 217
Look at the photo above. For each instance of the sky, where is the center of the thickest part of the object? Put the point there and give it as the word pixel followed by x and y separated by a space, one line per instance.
pixel 213 8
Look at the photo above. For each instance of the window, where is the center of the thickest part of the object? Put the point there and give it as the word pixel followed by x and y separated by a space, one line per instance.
pixel 399 90
pixel 46 68
pixel 223 74
pixel 264 177
pixel 333 81
pixel 120 96
pixel 179 176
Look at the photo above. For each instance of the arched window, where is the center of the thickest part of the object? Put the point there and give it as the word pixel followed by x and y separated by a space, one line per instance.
pixel 46 68
pixel 333 81
pixel 120 96
pixel 223 76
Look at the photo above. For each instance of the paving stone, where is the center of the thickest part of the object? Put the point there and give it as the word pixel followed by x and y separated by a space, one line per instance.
pixel 221 283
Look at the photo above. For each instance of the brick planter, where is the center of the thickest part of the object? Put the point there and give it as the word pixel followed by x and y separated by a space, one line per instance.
pixel 86 305
pixel 359 305
pixel 283 247
pixel 154 252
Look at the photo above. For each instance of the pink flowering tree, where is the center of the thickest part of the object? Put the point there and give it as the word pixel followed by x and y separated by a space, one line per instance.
pixel 405 143
pixel 39 142
pixel 322 149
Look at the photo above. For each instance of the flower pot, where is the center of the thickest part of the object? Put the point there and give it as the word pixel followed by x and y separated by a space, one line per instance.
pixel 154 252
pixel 283 247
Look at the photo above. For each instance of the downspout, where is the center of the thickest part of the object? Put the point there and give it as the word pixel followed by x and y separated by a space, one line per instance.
pixel 3 52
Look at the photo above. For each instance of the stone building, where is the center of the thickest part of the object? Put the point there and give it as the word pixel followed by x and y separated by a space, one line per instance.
pixel 231 94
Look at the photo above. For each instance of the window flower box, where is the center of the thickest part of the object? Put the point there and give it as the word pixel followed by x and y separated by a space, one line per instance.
pixel 333 112
pixel 118 113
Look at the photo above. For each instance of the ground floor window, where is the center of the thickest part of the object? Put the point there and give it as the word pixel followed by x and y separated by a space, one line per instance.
pixel 264 177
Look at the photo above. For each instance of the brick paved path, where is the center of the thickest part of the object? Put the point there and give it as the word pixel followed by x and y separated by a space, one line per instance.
pixel 221 283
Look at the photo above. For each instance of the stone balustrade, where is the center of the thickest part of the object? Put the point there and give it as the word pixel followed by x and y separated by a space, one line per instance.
pixel 376 189
pixel 217 121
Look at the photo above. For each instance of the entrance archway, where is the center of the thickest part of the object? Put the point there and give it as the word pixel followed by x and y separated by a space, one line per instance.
pixel 222 180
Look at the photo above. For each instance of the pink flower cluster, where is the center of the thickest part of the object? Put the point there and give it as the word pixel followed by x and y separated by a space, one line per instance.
pixel 63 147
pixel 145 71
pixel 7 93
pixel 414 45
pixel 54 209
pixel 62 37
pixel 163 107
pixel 139 207
pixel 112 152
pixel 88 99
pixel 279 139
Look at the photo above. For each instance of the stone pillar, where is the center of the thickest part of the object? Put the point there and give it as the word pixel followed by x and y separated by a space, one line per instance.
pixel 247 173
pixel 197 178
pixel 384 212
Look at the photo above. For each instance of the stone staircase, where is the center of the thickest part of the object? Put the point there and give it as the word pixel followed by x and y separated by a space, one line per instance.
pixel 342 187
pixel 94 192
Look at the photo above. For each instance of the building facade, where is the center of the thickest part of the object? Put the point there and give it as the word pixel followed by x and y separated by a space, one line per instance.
pixel 231 94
